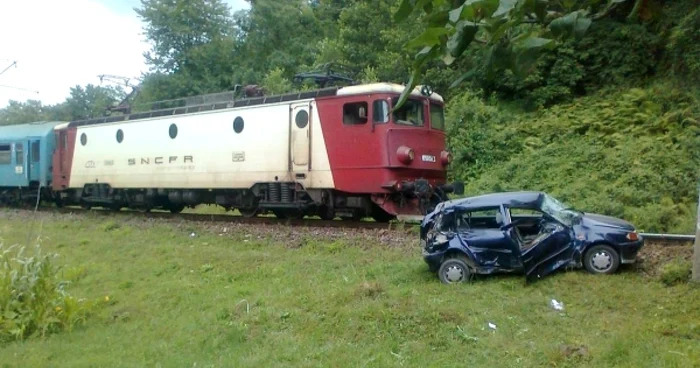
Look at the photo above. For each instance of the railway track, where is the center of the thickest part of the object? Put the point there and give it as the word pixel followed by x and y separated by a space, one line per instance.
pixel 407 225
pixel 259 220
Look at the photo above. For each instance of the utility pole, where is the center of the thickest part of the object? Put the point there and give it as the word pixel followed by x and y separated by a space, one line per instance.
pixel 696 248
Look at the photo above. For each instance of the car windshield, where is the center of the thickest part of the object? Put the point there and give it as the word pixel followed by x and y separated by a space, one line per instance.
pixel 558 210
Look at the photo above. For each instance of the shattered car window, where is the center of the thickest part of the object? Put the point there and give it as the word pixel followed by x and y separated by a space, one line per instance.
pixel 558 210
pixel 485 218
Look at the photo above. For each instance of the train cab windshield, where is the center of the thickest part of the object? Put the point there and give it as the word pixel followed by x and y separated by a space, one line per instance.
pixel 411 113
pixel 437 116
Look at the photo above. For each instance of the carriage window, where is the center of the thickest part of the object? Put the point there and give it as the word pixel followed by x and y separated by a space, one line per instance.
pixel 411 113
pixel 36 151
pixel 19 153
pixel 5 154
pixel 355 113
pixel 380 111
pixel 437 117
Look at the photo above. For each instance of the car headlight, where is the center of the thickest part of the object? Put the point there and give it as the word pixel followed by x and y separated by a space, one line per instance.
pixel 440 239
pixel 633 236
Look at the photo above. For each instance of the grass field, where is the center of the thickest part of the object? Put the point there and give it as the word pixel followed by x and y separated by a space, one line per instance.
pixel 271 296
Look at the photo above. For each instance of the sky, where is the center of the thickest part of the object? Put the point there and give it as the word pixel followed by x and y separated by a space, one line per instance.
pixel 58 44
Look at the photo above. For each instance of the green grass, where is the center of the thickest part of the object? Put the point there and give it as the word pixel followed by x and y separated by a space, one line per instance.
pixel 256 298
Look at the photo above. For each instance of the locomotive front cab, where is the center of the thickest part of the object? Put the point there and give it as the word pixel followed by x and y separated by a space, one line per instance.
pixel 416 175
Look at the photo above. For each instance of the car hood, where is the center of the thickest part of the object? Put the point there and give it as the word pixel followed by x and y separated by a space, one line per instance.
pixel 594 219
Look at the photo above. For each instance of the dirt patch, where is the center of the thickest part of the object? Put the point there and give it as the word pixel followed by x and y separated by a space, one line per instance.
pixel 655 254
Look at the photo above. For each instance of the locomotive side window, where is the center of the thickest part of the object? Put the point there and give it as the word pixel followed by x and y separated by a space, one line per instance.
pixel 301 119
pixel 411 113
pixel 83 139
pixel 5 154
pixel 172 131
pixel 120 136
pixel 437 117
pixel 380 111
pixel 19 153
pixel 238 124
pixel 355 113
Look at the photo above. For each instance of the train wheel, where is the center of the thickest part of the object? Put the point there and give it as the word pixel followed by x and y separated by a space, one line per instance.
pixel 176 208
pixel 326 213
pixel 382 217
pixel 249 212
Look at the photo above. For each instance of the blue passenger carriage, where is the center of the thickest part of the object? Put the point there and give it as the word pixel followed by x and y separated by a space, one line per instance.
pixel 26 152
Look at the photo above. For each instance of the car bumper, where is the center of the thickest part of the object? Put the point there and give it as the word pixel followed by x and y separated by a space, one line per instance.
pixel 629 251
pixel 433 259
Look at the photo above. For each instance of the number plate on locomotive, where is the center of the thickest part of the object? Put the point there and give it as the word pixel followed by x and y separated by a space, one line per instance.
pixel 428 158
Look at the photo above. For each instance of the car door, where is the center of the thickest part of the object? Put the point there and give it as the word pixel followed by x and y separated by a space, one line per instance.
pixel 551 250
pixel 480 229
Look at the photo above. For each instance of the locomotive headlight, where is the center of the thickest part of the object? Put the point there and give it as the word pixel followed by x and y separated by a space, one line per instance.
pixel 405 154
pixel 445 158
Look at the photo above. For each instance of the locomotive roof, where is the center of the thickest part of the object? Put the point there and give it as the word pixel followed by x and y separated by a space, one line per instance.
pixel 21 131
pixel 226 100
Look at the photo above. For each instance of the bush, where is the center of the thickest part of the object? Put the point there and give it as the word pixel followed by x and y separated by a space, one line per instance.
pixel 478 134
pixel 675 272
pixel 33 301
pixel 684 46
pixel 610 54
pixel 632 154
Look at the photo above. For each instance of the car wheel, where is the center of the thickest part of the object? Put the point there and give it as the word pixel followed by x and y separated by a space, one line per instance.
pixel 454 271
pixel 601 259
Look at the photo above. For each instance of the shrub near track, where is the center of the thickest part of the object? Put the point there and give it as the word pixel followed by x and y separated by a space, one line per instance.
pixel 236 295
pixel 33 299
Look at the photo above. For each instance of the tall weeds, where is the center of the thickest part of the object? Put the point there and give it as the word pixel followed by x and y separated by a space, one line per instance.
pixel 33 301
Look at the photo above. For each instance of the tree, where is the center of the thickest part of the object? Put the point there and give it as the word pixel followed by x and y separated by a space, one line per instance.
pixel 511 33
pixel 277 34
pixel 194 48
pixel 89 102
pixel 25 112
pixel 176 28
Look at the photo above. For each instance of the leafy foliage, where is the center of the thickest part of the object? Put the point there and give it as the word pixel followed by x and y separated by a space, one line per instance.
pixel 684 45
pixel 631 153
pixel 275 82
pixel 512 33
pixel 675 272
pixel 33 301
pixel 178 29
pixel 83 102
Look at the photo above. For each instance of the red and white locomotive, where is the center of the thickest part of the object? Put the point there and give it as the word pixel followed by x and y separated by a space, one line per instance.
pixel 331 152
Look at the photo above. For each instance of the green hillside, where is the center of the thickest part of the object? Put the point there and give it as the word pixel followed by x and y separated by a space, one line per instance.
pixel 630 152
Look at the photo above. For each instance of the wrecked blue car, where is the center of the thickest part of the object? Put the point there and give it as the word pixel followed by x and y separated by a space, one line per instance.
pixel 528 232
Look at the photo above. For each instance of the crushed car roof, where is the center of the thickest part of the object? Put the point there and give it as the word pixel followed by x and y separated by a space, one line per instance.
pixel 496 199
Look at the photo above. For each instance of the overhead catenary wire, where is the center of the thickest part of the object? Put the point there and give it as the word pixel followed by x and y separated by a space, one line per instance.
pixel 19 88
pixel 14 63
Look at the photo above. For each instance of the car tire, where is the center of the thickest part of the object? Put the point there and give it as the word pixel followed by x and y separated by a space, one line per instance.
pixel 454 271
pixel 601 259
